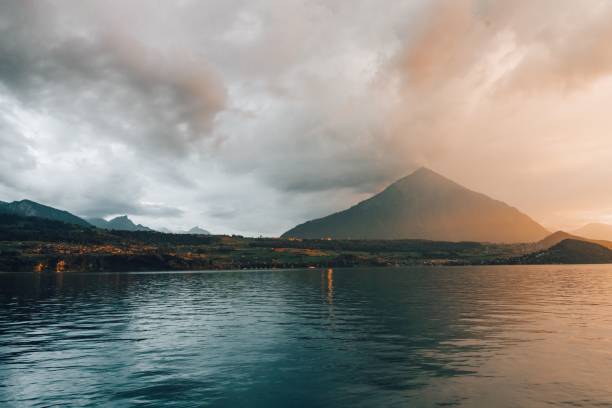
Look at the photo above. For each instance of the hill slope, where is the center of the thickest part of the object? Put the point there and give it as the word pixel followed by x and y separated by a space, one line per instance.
pixel 426 205
pixel 27 208
pixel 571 251
pixel 561 236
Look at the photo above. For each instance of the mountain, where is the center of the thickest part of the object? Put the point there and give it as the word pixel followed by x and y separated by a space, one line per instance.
pixel 595 231
pixel 555 238
pixel 193 231
pixel 98 222
pixel 122 223
pixel 426 205
pixel 570 251
pixel 198 231
pixel 15 227
pixel 29 208
pixel 561 236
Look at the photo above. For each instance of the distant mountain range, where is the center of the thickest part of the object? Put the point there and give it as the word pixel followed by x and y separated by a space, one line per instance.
pixel 423 205
pixel 192 231
pixel 121 223
pixel 426 205
pixel 29 208
pixel 595 231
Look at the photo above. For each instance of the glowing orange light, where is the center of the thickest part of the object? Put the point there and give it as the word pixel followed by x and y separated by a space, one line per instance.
pixel 61 266
pixel 330 285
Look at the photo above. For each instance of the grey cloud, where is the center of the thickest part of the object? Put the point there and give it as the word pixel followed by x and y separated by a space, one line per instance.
pixel 110 198
pixel 158 210
pixel 102 80
pixel 15 156
pixel 253 115
pixel 111 205
pixel 222 212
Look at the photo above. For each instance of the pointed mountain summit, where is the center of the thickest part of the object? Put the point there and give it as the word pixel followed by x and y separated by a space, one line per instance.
pixel 121 223
pixel 426 205
pixel 561 236
pixel 198 231
pixel 570 251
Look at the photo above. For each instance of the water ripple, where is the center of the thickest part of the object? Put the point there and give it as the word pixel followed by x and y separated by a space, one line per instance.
pixel 485 336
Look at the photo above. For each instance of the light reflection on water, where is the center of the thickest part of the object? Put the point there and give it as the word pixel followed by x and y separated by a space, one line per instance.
pixel 486 336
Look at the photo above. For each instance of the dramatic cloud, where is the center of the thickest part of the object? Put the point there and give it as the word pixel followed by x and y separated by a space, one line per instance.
pixel 89 73
pixel 508 97
pixel 251 116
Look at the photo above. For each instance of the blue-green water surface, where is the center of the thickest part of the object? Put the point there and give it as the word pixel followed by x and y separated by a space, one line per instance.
pixel 406 337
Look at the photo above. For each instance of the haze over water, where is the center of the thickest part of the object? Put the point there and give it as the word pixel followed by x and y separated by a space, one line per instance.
pixel 477 336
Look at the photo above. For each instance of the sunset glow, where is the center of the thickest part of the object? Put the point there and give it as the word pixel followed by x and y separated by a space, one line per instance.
pixel 507 98
pixel 309 203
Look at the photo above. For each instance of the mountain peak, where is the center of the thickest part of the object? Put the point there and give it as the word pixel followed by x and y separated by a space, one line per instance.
pixel 29 208
pixel 426 205
pixel 425 181
pixel 555 238
pixel 121 223
pixel 198 231
pixel 423 171
pixel 425 175
pixel 560 236
pixel 122 220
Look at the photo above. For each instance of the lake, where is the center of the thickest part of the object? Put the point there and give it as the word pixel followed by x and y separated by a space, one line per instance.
pixel 420 337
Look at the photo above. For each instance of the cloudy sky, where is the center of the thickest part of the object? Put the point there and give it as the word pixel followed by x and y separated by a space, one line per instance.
pixel 248 116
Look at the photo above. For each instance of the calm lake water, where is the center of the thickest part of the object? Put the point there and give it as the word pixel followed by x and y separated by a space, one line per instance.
pixel 418 337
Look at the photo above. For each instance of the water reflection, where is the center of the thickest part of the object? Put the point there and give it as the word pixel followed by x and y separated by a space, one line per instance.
pixel 330 286
pixel 503 336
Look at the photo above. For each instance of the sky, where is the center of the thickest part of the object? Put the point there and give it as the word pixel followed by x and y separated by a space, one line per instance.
pixel 249 116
